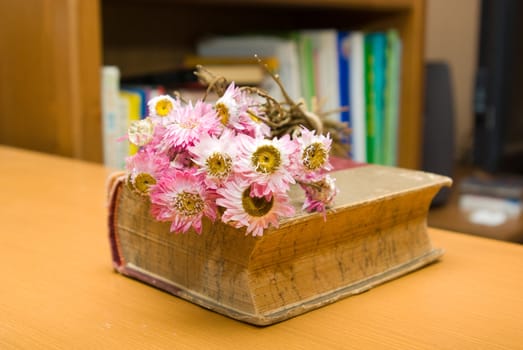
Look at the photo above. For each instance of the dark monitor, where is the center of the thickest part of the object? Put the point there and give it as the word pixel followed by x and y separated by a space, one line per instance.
pixel 498 102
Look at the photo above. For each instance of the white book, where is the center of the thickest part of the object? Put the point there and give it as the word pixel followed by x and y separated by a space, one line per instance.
pixel 357 96
pixel 122 144
pixel 110 81
pixel 326 68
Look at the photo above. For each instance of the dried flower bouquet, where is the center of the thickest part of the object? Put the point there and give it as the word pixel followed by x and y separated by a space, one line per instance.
pixel 233 160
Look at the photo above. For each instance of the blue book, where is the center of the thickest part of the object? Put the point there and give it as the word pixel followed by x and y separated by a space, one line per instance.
pixel 344 73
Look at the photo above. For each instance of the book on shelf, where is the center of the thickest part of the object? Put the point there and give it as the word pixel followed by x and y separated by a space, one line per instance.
pixel 375 44
pixel 241 70
pixel 343 53
pixel 283 49
pixel 306 67
pixel 110 108
pixel 392 97
pixel 325 69
pixel 357 97
pixel 123 101
pixel 123 149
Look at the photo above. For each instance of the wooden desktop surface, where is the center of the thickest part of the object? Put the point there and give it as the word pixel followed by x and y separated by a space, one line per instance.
pixel 59 290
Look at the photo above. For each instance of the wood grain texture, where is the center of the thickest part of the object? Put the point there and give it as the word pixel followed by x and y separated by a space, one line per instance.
pixel 376 232
pixel 59 290
pixel 49 92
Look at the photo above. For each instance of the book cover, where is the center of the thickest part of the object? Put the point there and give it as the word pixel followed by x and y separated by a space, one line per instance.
pixel 375 44
pixel 392 96
pixel 357 96
pixel 272 278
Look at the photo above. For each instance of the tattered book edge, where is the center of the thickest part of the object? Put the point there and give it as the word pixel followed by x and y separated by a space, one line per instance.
pixel 291 310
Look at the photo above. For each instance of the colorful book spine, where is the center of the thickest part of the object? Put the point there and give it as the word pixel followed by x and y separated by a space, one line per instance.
pixel 306 62
pixel 375 44
pixel 343 43
pixel 392 95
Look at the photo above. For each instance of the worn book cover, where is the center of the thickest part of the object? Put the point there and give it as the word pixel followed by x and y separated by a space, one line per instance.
pixel 377 231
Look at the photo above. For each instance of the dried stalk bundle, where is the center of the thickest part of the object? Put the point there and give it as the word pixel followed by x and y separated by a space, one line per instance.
pixel 286 117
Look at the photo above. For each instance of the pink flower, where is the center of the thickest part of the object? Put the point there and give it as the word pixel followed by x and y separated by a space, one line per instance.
pixel 319 195
pixel 311 159
pixel 255 213
pixel 162 108
pixel 215 157
pixel 145 168
pixel 228 107
pixel 182 198
pixel 189 124
pixel 181 160
pixel 141 132
pixel 265 163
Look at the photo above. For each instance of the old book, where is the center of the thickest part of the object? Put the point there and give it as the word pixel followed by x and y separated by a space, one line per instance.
pixel 377 231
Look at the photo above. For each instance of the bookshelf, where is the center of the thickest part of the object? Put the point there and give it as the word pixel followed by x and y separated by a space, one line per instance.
pixel 61 77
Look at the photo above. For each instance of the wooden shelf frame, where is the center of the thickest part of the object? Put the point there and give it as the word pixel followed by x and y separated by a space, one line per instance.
pixel 58 84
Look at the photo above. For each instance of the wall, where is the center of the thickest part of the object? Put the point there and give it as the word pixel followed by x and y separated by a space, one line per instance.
pixel 452 35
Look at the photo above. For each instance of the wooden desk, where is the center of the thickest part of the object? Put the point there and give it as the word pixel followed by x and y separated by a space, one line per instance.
pixel 59 291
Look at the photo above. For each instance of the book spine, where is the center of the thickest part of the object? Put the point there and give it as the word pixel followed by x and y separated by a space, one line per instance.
pixel 370 104
pixel 123 116
pixel 306 63
pixel 357 96
pixel 344 73
pixel 328 83
pixel 375 82
pixel 392 93
pixel 110 115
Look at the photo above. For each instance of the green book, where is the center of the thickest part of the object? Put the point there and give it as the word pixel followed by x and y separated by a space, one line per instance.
pixel 306 63
pixel 375 44
pixel 392 93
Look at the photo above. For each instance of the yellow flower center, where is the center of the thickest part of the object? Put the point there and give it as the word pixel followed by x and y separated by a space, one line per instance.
pixel 143 181
pixel 266 159
pixel 314 156
pixel 256 206
pixel 188 204
pixel 163 107
pixel 223 113
pixel 219 164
